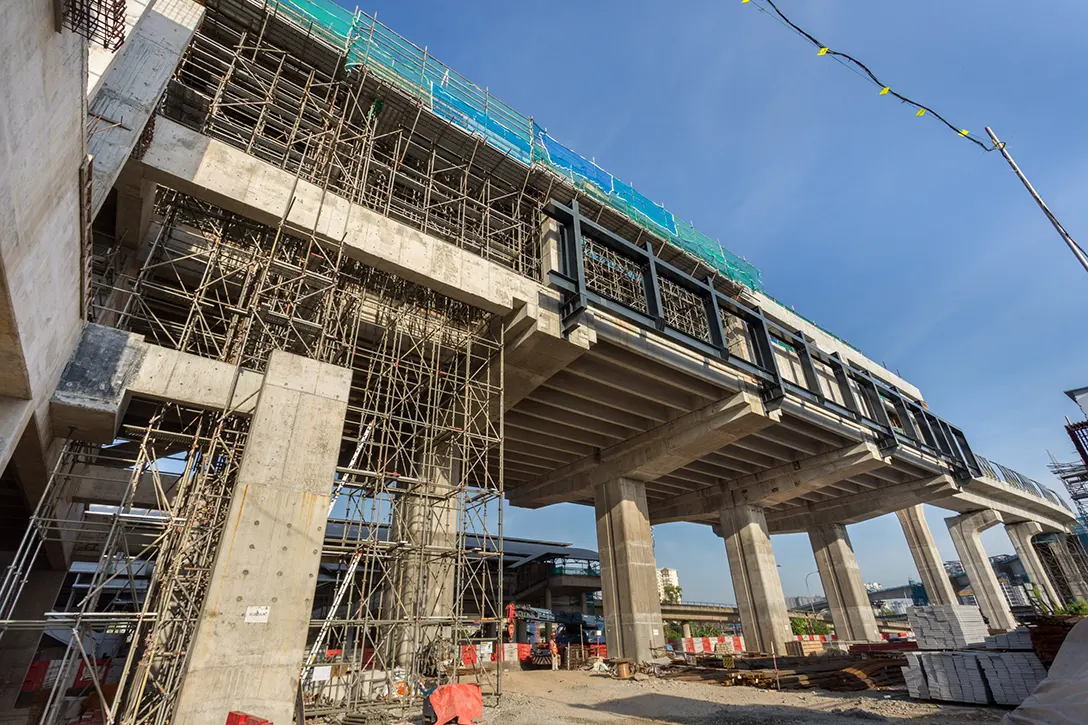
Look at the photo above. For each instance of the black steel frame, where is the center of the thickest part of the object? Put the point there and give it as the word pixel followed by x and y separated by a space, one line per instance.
pixel 918 429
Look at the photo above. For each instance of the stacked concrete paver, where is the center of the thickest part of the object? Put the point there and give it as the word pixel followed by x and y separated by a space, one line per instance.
pixel 947 626
pixel 977 677
pixel 1012 676
pixel 1018 639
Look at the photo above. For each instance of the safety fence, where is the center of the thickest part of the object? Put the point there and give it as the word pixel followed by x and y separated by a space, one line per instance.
pixel 450 96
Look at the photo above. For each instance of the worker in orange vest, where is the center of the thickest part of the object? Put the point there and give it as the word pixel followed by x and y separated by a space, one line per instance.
pixel 553 647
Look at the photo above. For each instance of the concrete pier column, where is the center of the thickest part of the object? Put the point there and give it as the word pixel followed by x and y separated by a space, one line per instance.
pixel 686 626
pixel 843 585
pixel 754 572
pixel 583 603
pixel 1021 535
pixel 18 646
pixel 420 590
pixel 632 611
pixel 965 530
pixel 251 638
pixel 927 559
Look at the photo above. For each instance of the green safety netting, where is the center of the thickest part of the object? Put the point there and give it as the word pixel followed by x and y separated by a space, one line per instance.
pixel 452 97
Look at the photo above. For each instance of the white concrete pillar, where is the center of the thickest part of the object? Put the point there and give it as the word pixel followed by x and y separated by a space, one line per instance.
pixel 250 641
pixel 18 646
pixel 965 530
pixel 927 559
pixel 754 571
pixel 1021 535
pixel 686 626
pixel 632 610
pixel 843 585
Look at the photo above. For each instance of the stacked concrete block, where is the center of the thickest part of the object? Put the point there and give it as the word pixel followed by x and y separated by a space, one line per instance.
pixel 947 626
pixel 915 676
pixel 1006 678
pixel 1012 676
pixel 1018 639
pixel 955 676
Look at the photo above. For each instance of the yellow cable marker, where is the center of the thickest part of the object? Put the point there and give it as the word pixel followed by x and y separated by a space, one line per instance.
pixel 823 51
pixel 885 91
pixel 743 1
pixel 963 132
pixel 921 112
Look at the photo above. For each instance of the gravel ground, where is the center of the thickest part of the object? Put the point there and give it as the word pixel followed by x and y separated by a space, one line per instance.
pixel 543 697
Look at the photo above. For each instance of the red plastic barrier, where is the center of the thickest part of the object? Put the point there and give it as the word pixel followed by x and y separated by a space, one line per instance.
pixel 461 703
pixel 241 718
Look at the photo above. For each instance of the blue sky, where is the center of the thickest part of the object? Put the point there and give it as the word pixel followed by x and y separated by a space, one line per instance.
pixel 885 228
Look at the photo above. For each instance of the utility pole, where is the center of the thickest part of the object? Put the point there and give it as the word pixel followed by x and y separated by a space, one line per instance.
pixel 1070 242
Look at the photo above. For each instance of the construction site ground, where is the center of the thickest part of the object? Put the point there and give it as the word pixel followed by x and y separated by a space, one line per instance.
pixel 544 697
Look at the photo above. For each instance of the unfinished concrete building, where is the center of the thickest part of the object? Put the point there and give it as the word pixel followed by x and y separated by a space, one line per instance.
pixel 290 307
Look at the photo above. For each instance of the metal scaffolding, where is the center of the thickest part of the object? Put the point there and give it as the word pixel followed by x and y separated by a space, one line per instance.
pixel 409 590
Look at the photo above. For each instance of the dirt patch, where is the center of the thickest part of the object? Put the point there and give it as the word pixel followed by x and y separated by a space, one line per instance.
pixel 543 697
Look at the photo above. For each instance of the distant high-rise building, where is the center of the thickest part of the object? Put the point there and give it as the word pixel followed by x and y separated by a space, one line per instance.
pixel 667 577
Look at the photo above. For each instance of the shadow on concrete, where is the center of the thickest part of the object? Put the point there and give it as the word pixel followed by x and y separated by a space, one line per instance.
pixel 664 708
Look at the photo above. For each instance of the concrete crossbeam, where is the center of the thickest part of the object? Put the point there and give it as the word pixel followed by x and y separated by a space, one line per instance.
pixel 774 485
pixel 845 590
pixel 764 619
pixel 1021 536
pixel 632 607
pixel 536 349
pixel 927 559
pixel 857 507
pixel 965 530
pixel 977 498
pixel 252 631
pixel 111 366
pixel 228 177
pixel 652 453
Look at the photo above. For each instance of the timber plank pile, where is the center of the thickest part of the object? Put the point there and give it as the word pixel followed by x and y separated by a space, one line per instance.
pixel 837 674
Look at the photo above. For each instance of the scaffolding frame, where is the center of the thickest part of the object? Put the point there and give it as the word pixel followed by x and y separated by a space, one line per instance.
pixel 241 88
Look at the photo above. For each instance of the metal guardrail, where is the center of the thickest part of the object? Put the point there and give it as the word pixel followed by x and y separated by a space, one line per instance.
pixel 1018 480
pixel 629 280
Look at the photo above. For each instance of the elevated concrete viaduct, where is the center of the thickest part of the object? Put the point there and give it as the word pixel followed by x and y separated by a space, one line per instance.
pixel 320 285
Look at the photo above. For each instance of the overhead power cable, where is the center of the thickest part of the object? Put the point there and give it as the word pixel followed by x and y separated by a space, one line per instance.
pixel 863 70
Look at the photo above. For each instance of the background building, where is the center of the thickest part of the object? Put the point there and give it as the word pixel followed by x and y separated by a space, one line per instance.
pixel 667 577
